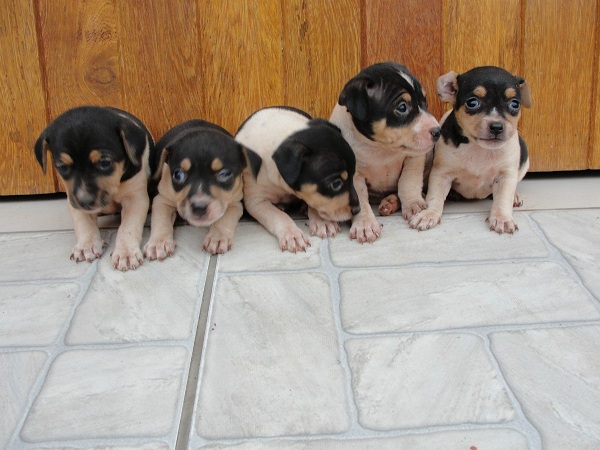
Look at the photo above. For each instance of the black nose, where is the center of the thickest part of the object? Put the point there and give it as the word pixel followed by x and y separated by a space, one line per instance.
pixel 435 133
pixel 199 209
pixel 496 128
pixel 355 210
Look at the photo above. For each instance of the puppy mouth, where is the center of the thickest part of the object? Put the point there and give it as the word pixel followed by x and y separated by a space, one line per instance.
pixel 95 205
pixel 337 216
pixel 491 142
pixel 200 214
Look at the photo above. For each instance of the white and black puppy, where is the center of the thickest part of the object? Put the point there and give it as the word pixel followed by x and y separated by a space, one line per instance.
pixel 103 157
pixel 302 158
pixel 383 115
pixel 200 168
pixel 480 153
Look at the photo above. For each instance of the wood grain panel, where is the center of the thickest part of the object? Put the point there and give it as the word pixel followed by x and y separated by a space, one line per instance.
pixel 321 51
pixel 161 58
pixel 409 32
pixel 22 108
pixel 594 157
pixel 242 58
pixel 559 55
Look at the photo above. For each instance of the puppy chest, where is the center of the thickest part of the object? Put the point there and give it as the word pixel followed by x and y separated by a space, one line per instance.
pixel 474 184
pixel 382 176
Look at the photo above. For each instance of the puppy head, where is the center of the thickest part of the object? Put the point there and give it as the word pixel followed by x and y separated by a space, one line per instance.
pixel 93 150
pixel 388 105
pixel 203 166
pixel 318 164
pixel 487 103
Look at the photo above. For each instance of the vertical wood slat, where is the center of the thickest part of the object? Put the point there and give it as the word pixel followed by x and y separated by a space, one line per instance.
pixel 321 51
pixel 410 33
pixel 594 156
pixel 22 103
pixel 242 58
pixel 559 54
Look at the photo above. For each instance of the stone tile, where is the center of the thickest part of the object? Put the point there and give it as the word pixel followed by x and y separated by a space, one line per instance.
pixel 555 374
pixel 272 360
pixel 460 237
pixel 154 302
pixel 255 249
pixel 34 314
pixel 27 256
pixel 430 298
pixel 153 445
pixel 576 233
pixel 18 372
pixel 127 392
pixel 425 380
pixel 497 439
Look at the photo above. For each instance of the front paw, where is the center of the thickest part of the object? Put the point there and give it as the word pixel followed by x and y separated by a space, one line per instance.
pixel 365 229
pixel 389 205
pixel 322 228
pixel 502 224
pixel 217 241
pixel 159 248
pixel 126 256
pixel 425 220
pixel 410 209
pixel 88 250
pixel 293 240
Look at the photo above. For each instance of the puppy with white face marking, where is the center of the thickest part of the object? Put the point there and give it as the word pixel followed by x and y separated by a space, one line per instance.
pixel 200 167
pixel 102 156
pixel 480 153
pixel 383 115
pixel 302 158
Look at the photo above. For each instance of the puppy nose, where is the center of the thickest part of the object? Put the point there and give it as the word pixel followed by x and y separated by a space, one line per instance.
pixel 496 128
pixel 435 133
pixel 355 210
pixel 199 209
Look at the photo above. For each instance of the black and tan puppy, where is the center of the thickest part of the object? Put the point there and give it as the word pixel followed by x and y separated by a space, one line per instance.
pixel 480 153
pixel 103 158
pixel 383 115
pixel 302 158
pixel 201 167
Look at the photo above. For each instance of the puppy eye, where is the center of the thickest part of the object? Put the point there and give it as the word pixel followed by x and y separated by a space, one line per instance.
pixel 224 176
pixel 473 103
pixel 179 176
pixel 514 104
pixel 61 167
pixel 105 163
pixel 402 108
pixel 336 185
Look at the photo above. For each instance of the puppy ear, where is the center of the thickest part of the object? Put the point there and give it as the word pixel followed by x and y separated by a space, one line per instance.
pixel 252 160
pixel 288 159
pixel 526 99
pixel 161 160
pixel 41 149
pixel 447 87
pixel 135 140
pixel 355 98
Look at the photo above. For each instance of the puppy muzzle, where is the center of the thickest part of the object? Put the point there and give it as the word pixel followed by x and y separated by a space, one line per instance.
pixel 201 213
pixel 88 202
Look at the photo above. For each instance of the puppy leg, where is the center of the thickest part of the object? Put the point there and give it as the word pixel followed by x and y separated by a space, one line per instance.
pixel 89 244
pixel 279 224
pixel 127 253
pixel 319 226
pixel 220 235
pixel 365 227
pixel 161 243
pixel 410 186
pixel 439 186
pixel 504 192
pixel 389 205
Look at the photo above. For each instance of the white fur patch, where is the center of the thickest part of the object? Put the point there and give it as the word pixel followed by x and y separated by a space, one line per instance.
pixel 407 78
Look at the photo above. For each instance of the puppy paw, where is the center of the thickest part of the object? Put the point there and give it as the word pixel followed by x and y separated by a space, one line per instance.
pixel 412 208
pixel 502 224
pixel 425 220
pixel 518 201
pixel 159 248
pixel 365 229
pixel 126 257
pixel 389 205
pixel 322 228
pixel 88 250
pixel 293 240
pixel 217 242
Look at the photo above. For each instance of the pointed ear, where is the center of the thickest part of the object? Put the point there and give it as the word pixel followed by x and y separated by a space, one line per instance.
pixel 252 160
pixel 135 140
pixel 355 98
pixel 526 99
pixel 447 87
pixel 161 160
pixel 288 159
pixel 41 150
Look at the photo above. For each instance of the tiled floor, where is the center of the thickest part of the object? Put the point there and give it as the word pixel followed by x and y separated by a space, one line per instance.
pixel 453 338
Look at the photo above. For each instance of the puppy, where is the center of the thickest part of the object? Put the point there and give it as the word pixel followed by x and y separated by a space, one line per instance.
pixel 200 169
pixel 480 153
pixel 302 158
pixel 383 115
pixel 102 156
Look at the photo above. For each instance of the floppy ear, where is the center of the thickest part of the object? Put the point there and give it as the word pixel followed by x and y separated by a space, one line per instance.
pixel 161 160
pixel 288 159
pixel 134 141
pixel 41 149
pixel 355 98
pixel 526 100
pixel 447 87
pixel 252 160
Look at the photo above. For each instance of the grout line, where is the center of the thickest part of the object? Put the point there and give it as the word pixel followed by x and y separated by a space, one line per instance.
pixel 187 409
